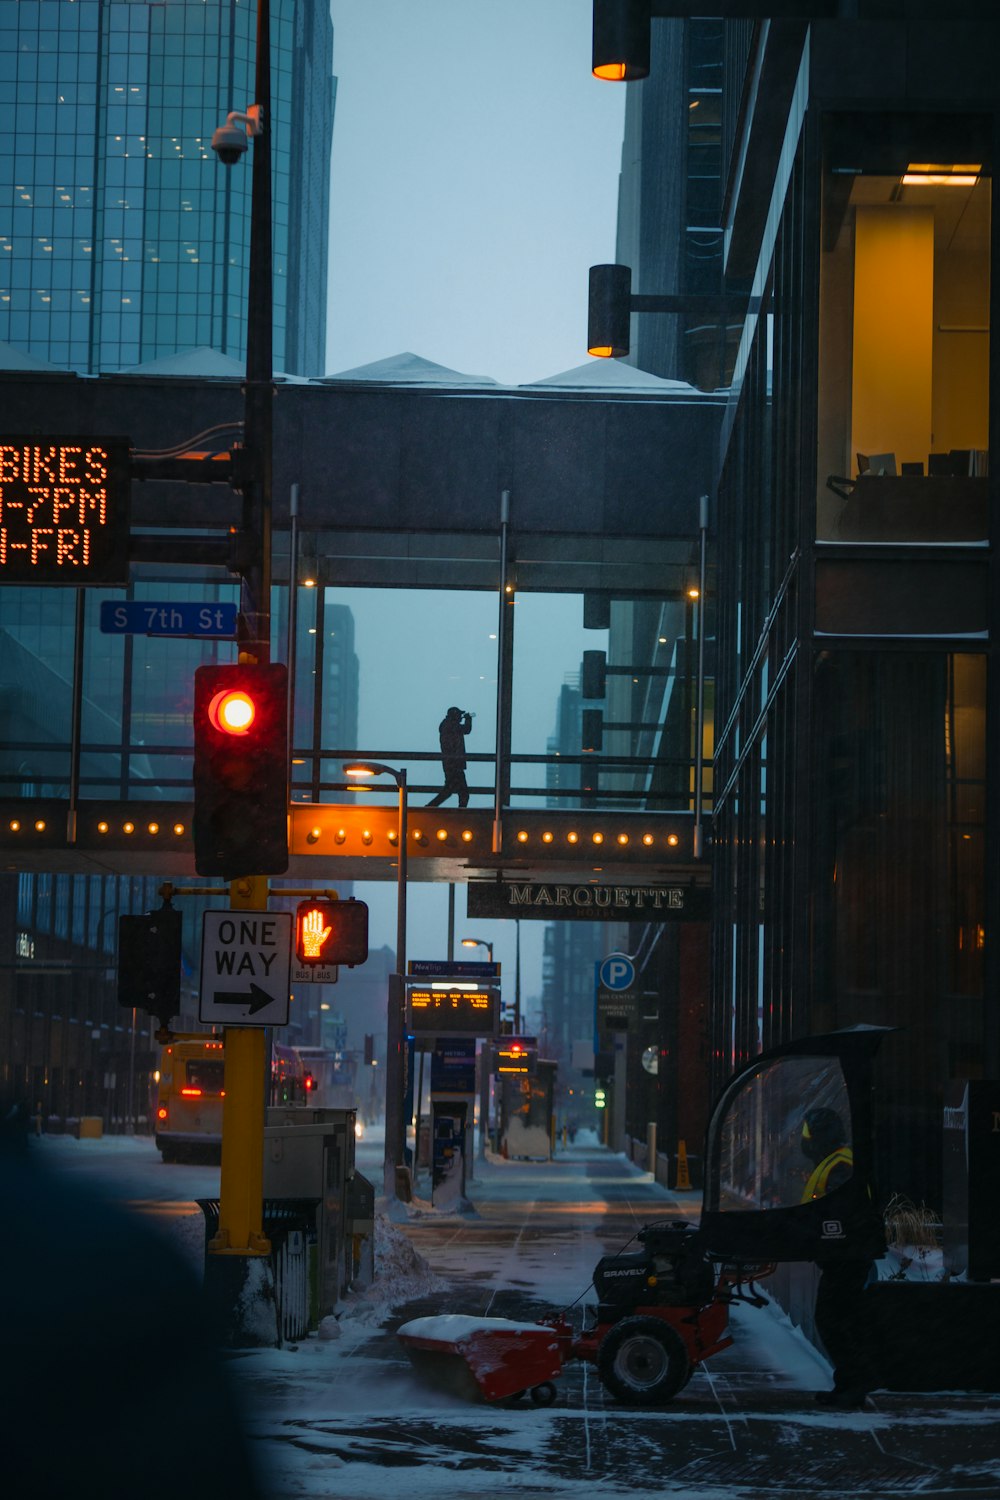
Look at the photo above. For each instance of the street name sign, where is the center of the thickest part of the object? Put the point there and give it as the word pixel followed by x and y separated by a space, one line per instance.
pixel 64 510
pixel 159 617
pixel 245 962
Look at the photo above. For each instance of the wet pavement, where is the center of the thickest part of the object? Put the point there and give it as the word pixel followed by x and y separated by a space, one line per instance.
pixel 353 1420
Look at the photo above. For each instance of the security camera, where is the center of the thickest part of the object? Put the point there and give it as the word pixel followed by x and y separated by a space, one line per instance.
pixel 230 142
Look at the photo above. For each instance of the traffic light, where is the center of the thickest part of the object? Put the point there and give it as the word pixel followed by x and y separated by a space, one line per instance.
pixel 600 1099
pixel 331 932
pixel 241 770
pixel 149 963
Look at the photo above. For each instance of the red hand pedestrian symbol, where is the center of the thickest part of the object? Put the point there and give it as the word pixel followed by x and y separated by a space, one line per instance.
pixel 314 934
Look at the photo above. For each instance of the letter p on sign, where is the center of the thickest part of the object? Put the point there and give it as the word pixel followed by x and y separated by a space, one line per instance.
pixel 617 972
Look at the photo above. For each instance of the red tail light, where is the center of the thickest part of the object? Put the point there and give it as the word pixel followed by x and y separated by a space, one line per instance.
pixel 192 1093
pixel 161 1113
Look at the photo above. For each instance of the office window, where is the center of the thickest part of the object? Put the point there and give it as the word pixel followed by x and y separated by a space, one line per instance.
pixel 904 329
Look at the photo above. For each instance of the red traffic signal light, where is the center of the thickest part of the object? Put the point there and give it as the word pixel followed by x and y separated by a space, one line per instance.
pixel 232 711
pixel 331 932
pixel 240 823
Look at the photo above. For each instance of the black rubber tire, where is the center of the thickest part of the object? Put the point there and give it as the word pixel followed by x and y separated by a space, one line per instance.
pixel 544 1394
pixel 642 1361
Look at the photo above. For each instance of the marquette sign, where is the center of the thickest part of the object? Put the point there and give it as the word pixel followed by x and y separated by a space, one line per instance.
pixel 64 510
pixel 463 1009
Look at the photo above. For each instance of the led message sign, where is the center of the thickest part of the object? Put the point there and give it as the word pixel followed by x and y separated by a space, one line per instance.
pixel 64 510
pixel 469 1010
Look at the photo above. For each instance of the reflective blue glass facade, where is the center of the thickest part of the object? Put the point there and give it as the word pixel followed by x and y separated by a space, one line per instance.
pixel 122 239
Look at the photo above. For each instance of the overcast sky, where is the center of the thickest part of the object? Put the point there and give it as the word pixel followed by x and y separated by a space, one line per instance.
pixel 475 181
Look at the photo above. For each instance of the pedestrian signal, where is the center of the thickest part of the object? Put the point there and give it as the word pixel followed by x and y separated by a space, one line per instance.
pixel 331 932
pixel 240 823
pixel 149 963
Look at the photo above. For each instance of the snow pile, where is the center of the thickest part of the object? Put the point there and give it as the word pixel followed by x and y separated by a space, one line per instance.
pixel 401 1275
pixel 453 1328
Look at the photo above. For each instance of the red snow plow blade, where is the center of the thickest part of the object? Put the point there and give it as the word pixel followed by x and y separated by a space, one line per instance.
pixel 488 1359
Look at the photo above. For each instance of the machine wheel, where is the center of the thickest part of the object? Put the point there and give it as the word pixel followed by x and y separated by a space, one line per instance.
pixel 642 1360
pixel 544 1394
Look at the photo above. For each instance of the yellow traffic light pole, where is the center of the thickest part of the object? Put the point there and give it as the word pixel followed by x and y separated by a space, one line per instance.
pixel 241 1189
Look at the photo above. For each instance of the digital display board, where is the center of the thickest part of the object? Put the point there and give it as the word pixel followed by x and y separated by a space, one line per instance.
pixel 515 1054
pixel 64 510
pixel 467 1010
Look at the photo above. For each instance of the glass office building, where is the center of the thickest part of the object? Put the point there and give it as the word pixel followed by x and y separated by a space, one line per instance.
pixel 122 238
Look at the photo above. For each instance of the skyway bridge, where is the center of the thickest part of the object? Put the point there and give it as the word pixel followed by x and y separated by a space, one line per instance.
pixel 360 841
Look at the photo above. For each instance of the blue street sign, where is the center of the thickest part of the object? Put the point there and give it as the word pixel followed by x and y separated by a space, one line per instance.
pixel 441 968
pixel 616 972
pixel 149 617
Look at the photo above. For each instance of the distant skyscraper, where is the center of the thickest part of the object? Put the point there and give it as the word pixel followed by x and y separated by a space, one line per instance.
pixel 571 948
pixel 122 238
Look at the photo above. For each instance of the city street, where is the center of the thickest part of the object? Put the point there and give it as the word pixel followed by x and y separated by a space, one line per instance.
pixel 329 1417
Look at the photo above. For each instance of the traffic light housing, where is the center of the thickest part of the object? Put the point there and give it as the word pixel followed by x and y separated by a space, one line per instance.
pixel 149 963
pixel 240 822
pixel 331 932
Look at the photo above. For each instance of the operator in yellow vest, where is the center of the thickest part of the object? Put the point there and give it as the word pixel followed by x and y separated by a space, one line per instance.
pixel 841 1282
pixel 824 1144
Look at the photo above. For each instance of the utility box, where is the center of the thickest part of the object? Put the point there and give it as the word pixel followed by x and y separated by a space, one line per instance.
pixel 972 1179
pixel 309 1153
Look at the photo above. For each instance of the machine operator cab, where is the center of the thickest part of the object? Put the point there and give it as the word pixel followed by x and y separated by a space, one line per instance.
pixel 788 1168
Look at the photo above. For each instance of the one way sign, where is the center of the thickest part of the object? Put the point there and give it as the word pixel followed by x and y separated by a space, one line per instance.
pixel 245 962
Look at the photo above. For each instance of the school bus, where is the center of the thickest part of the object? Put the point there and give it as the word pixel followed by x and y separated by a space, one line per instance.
pixel 191 1088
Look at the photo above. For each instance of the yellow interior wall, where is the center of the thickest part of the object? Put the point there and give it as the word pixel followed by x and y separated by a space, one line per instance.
pixel 961 360
pixel 893 332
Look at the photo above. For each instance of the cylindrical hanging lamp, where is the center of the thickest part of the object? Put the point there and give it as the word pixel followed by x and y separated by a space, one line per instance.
pixel 608 311
pixel 621 40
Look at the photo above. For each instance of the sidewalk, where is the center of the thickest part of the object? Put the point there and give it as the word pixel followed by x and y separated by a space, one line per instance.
pixel 331 1417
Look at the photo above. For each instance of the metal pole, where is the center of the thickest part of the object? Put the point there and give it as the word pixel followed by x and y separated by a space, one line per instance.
pixel 130 1090
pixel 420 1103
pixel 699 722
pixel 451 920
pixel 484 1094
pixel 259 377
pixel 517 978
pixel 500 763
pixel 76 725
pixel 401 877
pixel 293 618
pixel 395 1068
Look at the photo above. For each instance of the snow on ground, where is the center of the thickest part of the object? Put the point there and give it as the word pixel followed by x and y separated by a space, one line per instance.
pixel 336 1414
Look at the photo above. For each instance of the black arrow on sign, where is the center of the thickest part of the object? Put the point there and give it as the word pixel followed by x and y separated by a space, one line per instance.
pixel 256 998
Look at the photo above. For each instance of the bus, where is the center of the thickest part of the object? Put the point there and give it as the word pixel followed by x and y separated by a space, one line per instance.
pixel 191 1088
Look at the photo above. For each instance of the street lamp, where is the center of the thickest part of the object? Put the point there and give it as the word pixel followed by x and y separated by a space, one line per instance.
pixel 478 943
pixel 395 1125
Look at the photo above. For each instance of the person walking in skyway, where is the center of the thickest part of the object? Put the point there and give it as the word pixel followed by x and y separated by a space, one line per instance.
pixel 453 728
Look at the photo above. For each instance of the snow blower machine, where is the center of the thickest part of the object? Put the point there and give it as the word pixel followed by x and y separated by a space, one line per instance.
pixel 661 1310
pixel 788 1178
